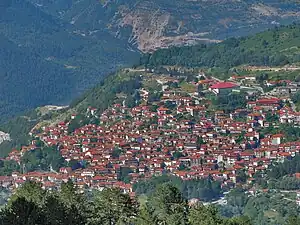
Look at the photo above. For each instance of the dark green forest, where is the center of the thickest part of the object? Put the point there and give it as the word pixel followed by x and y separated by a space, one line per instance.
pixel 104 93
pixel 42 60
pixel 275 47
pixel 204 189
pixel 31 205
pixel 263 208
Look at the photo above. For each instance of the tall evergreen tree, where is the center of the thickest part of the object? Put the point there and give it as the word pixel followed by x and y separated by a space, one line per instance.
pixel 111 206
pixel 75 203
pixel 22 212
pixel 31 192
pixel 168 205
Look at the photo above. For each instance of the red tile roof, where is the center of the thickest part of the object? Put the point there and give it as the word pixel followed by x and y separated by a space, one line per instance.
pixel 222 85
pixel 268 101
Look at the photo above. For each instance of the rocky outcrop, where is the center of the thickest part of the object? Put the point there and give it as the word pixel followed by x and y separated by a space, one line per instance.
pixel 4 137
pixel 149 29
pixel 152 24
pixel 158 24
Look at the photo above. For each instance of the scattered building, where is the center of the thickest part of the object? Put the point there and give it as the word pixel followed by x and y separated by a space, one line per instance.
pixel 223 88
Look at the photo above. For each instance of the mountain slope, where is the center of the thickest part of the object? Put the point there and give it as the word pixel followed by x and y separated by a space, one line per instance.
pixel 42 60
pixel 27 80
pixel 59 48
pixel 101 97
pixel 151 24
pixel 276 47
pixel 281 42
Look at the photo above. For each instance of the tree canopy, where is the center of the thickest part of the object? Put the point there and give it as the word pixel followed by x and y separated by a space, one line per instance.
pixel 31 205
pixel 268 48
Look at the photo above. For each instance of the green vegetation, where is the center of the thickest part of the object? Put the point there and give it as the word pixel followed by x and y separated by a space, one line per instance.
pixel 264 208
pixel 275 47
pixel 104 94
pixel 229 102
pixel 291 133
pixel 33 205
pixel 272 207
pixel 204 189
pixel 44 158
pixel 296 99
pixel 18 128
pixel 30 204
pixel 288 167
pixel 7 167
pixel 101 97
pixel 186 87
pixel 38 65
pixel 4 195
pixel 161 200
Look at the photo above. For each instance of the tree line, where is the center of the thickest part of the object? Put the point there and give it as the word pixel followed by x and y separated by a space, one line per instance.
pixel 263 49
pixel 31 205
pixel 204 189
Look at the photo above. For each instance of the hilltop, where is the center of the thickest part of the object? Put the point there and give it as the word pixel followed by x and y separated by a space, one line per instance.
pixel 275 47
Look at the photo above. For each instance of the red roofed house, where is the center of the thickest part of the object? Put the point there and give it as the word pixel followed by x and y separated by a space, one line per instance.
pixel 223 88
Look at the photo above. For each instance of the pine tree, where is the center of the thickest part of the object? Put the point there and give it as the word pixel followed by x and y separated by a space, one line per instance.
pixel 111 206
pixel 168 205
pixel 201 215
pixel 145 216
pixel 22 212
pixel 31 192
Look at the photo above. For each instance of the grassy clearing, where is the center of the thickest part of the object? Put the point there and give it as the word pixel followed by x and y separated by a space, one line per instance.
pixel 186 87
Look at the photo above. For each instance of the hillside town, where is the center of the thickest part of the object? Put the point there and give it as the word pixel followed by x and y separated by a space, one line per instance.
pixel 180 134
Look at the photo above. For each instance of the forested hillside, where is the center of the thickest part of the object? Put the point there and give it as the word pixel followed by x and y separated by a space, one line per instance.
pixel 42 60
pixel 275 47
pixel 100 96
pixel 51 51
pixel 27 80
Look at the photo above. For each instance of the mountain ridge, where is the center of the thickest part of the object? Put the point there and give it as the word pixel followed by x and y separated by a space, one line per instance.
pixel 274 47
pixel 142 22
